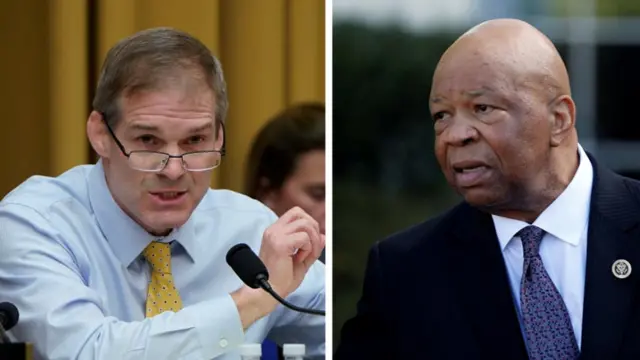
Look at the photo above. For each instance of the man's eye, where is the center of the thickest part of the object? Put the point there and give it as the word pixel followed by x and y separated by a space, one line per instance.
pixel 483 108
pixel 146 139
pixel 438 116
pixel 196 139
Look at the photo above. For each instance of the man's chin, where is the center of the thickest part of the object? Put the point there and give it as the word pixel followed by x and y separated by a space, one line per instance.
pixel 164 223
pixel 478 197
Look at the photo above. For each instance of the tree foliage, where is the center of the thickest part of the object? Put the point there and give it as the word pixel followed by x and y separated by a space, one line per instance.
pixel 385 175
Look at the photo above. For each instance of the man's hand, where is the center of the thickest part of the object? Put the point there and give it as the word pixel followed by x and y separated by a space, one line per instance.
pixel 289 247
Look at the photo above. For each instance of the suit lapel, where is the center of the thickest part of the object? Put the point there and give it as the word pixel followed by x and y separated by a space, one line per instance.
pixel 613 235
pixel 481 281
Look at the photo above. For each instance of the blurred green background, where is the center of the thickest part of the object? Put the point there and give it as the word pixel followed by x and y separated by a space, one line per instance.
pixel 385 175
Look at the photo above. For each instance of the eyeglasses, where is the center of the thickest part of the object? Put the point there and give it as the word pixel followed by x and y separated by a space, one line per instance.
pixel 156 161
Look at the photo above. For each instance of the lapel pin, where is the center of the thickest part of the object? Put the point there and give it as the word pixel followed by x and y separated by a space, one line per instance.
pixel 621 269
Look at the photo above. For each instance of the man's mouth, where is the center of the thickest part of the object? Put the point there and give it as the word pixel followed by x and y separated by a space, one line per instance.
pixel 466 170
pixel 470 172
pixel 168 195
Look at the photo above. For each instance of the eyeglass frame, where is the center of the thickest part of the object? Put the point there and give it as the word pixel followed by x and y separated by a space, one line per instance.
pixel 222 151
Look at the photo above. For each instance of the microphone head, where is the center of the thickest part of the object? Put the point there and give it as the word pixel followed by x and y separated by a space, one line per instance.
pixel 9 315
pixel 247 265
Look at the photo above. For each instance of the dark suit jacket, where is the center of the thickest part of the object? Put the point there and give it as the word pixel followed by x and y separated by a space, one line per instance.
pixel 440 290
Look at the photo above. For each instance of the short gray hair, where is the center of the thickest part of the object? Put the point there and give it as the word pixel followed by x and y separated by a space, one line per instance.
pixel 145 59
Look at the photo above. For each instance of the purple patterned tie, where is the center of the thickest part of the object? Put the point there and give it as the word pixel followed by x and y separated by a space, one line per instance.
pixel 547 324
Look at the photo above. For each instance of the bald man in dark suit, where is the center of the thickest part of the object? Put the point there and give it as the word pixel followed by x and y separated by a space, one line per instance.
pixel 537 261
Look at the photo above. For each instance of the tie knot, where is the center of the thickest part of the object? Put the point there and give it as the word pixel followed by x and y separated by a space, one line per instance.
pixel 158 254
pixel 531 237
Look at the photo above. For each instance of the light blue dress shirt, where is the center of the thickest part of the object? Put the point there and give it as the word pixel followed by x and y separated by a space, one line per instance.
pixel 70 259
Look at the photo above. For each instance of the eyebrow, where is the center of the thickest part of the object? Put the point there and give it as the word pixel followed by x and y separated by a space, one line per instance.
pixel 145 127
pixel 479 92
pixel 435 99
pixel 471 93
pixel 201 128
pixel 153 128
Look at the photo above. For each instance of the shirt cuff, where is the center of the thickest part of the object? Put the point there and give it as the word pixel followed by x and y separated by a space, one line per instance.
pixel 218 325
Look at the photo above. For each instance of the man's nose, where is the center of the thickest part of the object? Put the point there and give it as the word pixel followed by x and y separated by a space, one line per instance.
pixel 174 168
pixel 460 133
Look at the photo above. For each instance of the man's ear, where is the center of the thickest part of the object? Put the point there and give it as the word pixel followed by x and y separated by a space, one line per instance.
pixel 98 134
pixel 563 119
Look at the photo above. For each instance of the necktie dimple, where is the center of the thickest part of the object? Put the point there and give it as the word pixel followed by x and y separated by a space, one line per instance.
pixel 162 294
pixel 547 324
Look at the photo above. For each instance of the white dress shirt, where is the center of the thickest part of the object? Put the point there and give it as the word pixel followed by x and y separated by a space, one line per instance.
pixel 564 246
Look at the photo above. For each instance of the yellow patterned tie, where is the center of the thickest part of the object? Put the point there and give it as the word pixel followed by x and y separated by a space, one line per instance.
pixel 162 294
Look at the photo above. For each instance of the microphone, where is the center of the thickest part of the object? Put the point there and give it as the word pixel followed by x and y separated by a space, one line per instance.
pixel 9 316
pixel 252 271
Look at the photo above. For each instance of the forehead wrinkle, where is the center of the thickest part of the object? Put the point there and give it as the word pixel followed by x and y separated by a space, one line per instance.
pixel 136 125
pixel 197 129
pixel 483 90
pixel 471 80
pixel 184 127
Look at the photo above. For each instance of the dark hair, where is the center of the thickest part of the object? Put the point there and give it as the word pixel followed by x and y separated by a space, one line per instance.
pixel 150 59
pixel 278 145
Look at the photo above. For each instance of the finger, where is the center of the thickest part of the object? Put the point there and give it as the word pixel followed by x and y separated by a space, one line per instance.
pixel 307 256
pixel 295 243
pixel 292 214
pixel 303 256
pixel 317 246
pixel 312 258
pixel 303 225
pixel 299 225
pixel 296 213
pixel 320 217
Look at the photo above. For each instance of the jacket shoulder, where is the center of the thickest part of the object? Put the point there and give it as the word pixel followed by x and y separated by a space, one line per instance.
pixel 429 232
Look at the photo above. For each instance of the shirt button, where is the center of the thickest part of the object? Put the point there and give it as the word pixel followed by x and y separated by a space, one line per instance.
pixel 223 343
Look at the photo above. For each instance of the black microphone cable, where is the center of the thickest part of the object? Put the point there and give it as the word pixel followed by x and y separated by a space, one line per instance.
pixel 252 271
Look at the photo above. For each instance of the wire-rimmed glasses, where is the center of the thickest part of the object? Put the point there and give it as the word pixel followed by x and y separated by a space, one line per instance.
pixel 156 161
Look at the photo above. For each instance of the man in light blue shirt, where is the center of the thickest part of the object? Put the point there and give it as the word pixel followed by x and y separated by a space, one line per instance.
pixel 72 247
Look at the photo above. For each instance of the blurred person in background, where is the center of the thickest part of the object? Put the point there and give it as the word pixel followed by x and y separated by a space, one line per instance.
pixel 286 165
pixel 125 259
pixel 536 262
pixel 286 168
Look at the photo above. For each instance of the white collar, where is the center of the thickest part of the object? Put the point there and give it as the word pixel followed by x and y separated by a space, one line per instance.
pixel 566 217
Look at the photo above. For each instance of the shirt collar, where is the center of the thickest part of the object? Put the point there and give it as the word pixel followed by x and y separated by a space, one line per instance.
pixel 126 237
pixel 566 217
